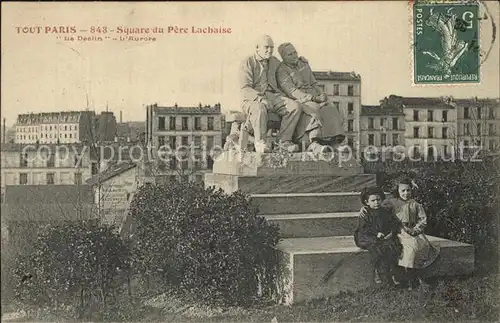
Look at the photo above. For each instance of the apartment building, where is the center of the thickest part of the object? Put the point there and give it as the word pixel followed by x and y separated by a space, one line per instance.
pixel 191 132
pixel 65 127
pixel 382 129
pixel 44 165
pixel 478 122
pixel 344 90
pixel 430 125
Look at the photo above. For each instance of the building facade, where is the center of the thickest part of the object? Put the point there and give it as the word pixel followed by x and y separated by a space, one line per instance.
pixel 430 126
pixel 66 127
pixel 478 124
pixel 44 165
pixel 382 129
pixel 344 90
pixel 185 137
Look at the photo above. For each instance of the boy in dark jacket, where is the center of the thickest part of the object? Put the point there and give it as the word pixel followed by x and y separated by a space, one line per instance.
pixel 377 232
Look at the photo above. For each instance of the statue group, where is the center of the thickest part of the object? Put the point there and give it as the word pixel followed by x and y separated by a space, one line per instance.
pixel 287 92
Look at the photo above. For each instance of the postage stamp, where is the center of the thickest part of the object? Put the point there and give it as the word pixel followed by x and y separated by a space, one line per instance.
pixel 446 43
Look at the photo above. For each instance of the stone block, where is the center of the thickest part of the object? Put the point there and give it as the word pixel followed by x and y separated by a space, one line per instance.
pixel 308 263
pixel 290 183
pixel 255 164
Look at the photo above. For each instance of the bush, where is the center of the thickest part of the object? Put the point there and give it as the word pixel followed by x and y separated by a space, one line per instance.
pixel 462 203
pixel 72 266
pixel 204 241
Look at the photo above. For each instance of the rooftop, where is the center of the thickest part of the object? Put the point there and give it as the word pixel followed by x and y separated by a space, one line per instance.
pixel 418 102
pixel 207 109
pixel 112 171
pixel 377 110
pixel 336 76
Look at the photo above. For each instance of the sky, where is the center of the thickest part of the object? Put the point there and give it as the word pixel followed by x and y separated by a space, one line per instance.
pixel 41 73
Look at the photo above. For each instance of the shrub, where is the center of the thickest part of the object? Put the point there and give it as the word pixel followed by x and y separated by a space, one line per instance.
pixel 72 265
pixel 462 202
pixel 204 241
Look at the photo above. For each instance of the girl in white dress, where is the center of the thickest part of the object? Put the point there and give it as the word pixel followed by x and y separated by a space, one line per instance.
pixel 418 251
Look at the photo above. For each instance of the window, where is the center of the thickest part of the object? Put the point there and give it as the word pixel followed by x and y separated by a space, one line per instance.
pixel 394 123
pixel 383 139
pixel 336 105
pixel 491 113
pixel 445 116
pixel 161 123
pixel 446 150
pixel 416 132
pixel 210 123
pixel 466 113
pixel 371 139
pixel 479 129
pixel 430 132
pixel 350 125
pixel 197 164
pixel 70 135
pixel 78 178
pixel 350 108
pixel 210 162
pixel 185 141
pixel 171 124
pixel 161 141
pixel 197 141
pixel 24 160
pixel 173 142
pixel 430 115
pixel 445 133
pixel 184 164
pixel 479 112
pixel 350 142
pixel 184 123
pixel 322 87
pixel 416 151
pixel 370 123
pixel 491 144
pixel 350 90
pixel 199 178
pixel 336 90
pixel 197 123
pixel 415 115
pixel 173 162
pixel 430 151
pixel 210 142
pixel 50 178
pixel 382 122
pixel 491 129
pixel 51 160
pixel 395 139
pixel 466 129
pixel 65 128
pixel 23 178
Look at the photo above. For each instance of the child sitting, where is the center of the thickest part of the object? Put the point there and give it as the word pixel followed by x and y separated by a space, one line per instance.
pixel 377 232
pixel 418 252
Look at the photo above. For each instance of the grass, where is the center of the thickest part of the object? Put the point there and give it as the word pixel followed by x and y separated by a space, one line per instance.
pixel 473 299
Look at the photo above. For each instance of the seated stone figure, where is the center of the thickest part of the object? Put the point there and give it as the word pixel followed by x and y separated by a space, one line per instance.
pixel 320 123
pixel 261 99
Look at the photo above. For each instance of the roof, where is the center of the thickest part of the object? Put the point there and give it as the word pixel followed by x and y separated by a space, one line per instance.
pixel 112 171
pixel 43 117
pixel 216 109
pixel 377 110
pixel 478 101
pixel 418 102
pixel 48 202
pixel 336 76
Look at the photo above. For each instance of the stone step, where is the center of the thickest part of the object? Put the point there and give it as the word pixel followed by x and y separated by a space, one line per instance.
pixel 307 262
pixel 310 225
pixel 256 164
pixel 290 183
pixel 298 203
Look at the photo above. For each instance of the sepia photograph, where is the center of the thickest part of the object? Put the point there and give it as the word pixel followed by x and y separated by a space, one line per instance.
pixel 261 161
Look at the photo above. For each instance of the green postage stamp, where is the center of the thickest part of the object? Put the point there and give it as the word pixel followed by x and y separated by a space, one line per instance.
pixel 446 43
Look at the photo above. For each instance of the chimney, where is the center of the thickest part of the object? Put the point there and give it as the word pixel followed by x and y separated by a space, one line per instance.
pixel 121 116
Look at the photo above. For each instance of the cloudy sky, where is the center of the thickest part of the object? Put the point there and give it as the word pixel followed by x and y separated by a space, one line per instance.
pixel 43 73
